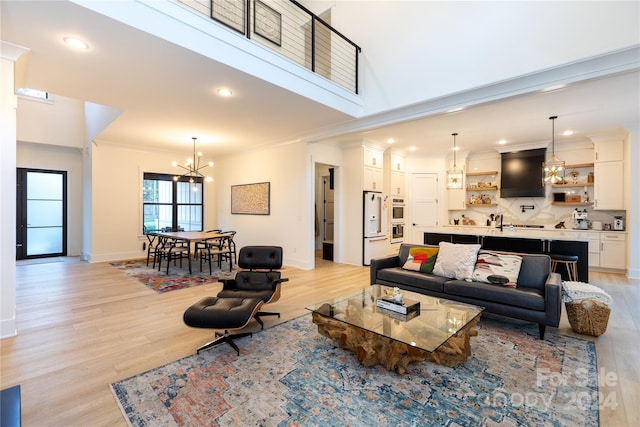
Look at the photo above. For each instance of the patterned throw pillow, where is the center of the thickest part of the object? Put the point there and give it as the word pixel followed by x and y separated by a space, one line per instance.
pixel 421 259
pixel 456 260
pixel 497 264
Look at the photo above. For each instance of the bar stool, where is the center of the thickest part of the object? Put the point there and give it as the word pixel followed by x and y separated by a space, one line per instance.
pixel 571 263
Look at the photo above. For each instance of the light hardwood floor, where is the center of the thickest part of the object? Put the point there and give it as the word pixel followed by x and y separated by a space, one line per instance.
pixel 83 326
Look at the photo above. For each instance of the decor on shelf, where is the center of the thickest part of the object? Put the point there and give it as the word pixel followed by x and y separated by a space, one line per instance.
pixel 454 176
pixel 250 199
pixel 554 166
pixel 193 168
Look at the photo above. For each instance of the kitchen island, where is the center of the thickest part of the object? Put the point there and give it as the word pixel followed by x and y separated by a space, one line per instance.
pixel 523 240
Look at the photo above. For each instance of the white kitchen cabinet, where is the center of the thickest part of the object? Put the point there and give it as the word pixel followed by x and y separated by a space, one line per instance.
pixel 372 157
pixel 608 187
pixel 372 172
pixel 456 199
pixel 372 178
pixel 396 163
pixel 613 250
pixel 397 186
pixel 594 249
pixel 608 150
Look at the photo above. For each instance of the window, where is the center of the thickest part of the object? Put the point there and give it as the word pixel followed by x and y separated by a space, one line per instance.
pixel 171 205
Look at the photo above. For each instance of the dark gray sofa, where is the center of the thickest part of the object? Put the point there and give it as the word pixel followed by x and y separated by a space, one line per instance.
pixel 537 298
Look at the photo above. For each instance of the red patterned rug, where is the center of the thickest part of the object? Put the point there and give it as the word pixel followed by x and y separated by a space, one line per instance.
pixel 178 277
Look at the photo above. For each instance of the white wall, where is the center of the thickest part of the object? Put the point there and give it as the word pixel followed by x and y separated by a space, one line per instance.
pixel 288 168
pixel 117 199
pixel 418 50
pixel 8 105
pixel 59 121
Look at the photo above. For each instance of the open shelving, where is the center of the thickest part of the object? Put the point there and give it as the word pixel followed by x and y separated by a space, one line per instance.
pixel 572 203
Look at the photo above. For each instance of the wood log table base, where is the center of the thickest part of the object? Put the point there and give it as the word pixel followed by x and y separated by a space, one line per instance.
pixel 374 349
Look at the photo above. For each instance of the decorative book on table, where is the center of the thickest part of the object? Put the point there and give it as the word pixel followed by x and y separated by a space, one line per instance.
pixel 405 307
pixel 398 316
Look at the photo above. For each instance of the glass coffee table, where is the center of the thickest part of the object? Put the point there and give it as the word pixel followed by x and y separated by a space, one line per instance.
pixel 439 331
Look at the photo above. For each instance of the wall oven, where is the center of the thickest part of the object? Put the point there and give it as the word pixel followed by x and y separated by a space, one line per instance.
pixel 397 210
pixel 397 233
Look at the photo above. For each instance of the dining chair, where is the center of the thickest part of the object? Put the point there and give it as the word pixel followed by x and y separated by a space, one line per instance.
pixel 228 250
pixel 202 245
pixel 173 250
pixel 217 248
pixel 156 243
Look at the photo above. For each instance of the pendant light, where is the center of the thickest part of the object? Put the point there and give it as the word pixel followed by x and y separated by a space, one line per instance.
pixel 454 176
pixel 554 166
pixel 193 167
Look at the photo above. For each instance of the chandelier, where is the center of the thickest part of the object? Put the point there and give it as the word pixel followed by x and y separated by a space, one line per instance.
pixel 193 168
pixel 554 166
pixel 454 176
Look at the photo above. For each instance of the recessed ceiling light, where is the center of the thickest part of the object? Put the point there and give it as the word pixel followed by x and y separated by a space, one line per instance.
pixel 75 43
pixel 567 133
pixel 502 141
pixel 412 148
pixel 224 92
pixel 390 141
pixel 554 87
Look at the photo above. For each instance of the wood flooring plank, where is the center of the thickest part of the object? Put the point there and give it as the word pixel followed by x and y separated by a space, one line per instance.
pixel 83 326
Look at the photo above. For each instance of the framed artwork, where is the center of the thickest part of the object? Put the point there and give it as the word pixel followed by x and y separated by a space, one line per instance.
pixel 251 199
pixel 267 23
pixel 230 13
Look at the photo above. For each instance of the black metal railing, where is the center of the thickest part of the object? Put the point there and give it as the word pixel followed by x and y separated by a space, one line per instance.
pixel 291 30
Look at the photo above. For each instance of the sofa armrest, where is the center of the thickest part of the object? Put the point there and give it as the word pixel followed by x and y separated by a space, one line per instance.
pixel 553 299
pixel 380 263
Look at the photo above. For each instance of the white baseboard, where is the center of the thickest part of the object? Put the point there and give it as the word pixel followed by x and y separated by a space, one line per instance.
pixel 8 328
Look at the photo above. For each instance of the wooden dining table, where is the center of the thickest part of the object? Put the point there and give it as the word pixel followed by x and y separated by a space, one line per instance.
pixel 191 237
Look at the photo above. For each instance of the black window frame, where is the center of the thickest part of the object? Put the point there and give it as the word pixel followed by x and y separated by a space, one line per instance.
pixel 153 176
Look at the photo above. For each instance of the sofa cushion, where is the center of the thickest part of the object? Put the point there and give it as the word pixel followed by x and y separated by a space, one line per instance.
pixel 456 260
pixel 534 271
pixel 491 263
pixel 528 298
pixel 421 259
pixel 414 279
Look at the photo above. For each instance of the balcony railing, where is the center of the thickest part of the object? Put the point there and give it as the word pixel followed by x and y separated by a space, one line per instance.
pixel 289 29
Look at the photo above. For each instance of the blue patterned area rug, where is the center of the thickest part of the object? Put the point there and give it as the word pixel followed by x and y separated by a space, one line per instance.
pixel 290 375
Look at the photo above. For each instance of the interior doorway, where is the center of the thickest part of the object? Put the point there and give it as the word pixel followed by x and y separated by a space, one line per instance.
pixel 424 205
pixel 325 212
pixel 41 213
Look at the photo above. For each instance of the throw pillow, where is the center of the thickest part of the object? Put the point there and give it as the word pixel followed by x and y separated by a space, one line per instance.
pixel 497 264
pixel 456 260
pixel 427 267
pixel 419 257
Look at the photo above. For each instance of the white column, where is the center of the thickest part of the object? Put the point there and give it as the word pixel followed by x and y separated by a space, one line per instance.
pixel 633 213
pixel 9 53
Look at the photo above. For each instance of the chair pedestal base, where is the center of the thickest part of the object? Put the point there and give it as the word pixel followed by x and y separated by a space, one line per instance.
pixel 265 313
pixel 222 338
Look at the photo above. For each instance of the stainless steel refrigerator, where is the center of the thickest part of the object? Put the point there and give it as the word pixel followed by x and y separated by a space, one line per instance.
pixel 375 210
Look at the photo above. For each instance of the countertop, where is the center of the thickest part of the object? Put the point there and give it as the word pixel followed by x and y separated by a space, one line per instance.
pixel 521 232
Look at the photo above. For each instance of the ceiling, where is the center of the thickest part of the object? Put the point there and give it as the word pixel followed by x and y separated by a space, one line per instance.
pixel 167 94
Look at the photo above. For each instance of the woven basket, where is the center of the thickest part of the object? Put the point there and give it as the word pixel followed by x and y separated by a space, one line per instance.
pixel 588 317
